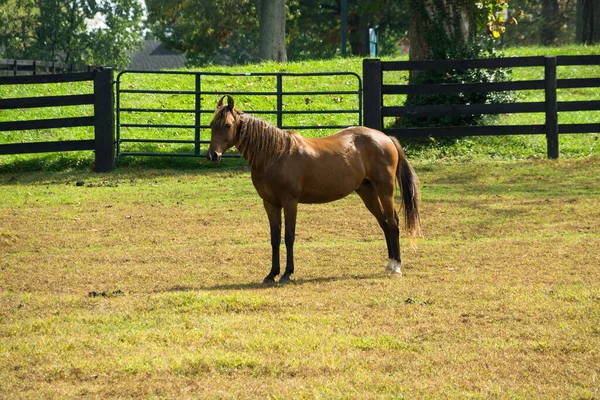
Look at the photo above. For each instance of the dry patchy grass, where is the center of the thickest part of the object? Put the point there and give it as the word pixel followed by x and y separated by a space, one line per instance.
pixel 146 284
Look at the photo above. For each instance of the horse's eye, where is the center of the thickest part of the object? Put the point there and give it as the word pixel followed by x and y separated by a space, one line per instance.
pixel 227 125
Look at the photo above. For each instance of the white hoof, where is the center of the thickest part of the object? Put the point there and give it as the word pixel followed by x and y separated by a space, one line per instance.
pixel 393 268
pixel 390 266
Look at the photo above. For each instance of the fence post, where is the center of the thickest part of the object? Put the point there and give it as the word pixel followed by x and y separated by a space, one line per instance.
pixel 551 107
pixel 372 97
pixel 279 100
pixel 197 114
pixel 104 120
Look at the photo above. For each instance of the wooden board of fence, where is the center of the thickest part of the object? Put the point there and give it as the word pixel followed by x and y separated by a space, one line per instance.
pixel 375 92
pixel 103 119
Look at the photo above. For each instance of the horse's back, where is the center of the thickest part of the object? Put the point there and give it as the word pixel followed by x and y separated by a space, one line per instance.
pixel 359 137
pixel 334 166
pixel 373 148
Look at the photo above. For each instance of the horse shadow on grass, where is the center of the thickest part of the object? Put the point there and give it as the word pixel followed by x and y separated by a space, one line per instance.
pixel 259 285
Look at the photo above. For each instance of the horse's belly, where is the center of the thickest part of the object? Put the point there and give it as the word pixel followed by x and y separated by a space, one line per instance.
pixel 331 177
pixel 324 192
pixel 313 198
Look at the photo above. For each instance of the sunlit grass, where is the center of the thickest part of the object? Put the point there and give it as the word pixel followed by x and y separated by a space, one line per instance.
pixel 146 283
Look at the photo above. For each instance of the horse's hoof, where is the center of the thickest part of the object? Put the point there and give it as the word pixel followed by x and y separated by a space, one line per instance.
pixel 393 268
pixel 396 274
pixel 269 281
pixel 285 280
pixel 389 268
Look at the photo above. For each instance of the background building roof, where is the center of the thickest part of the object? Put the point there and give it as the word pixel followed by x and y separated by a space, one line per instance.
pixel 153 56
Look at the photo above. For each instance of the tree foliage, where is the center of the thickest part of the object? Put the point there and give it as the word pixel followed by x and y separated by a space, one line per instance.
pixel 206 32
pixel 459 29
pixel 315 26
pixel 542 22
pixel 230 31
pixel 62 30
pixel 199 28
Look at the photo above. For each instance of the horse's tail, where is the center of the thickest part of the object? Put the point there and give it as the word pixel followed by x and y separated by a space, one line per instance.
pixel 411 194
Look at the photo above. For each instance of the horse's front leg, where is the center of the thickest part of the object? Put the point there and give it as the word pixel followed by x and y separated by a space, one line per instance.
pixel 274 214
pixel 289 210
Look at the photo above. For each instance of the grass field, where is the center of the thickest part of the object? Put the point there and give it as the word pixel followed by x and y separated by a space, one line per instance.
pixel 145 283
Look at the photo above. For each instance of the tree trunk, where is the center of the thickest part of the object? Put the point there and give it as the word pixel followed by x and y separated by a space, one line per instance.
pixel 359 33
pixel 419 49
pixel 271 20
pixel 439 29
pixel 588 22
pixel 551 27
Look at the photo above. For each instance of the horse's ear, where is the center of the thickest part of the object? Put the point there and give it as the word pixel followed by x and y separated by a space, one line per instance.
pixel 230 102
pixel 220 103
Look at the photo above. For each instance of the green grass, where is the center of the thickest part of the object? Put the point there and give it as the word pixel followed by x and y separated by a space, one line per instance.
pixel 145 283
pixel 467 149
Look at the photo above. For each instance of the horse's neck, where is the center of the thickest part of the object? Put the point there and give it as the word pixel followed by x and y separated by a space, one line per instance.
pixel 261 143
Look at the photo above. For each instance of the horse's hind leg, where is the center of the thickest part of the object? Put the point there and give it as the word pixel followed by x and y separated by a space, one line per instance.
pixel 385 193
pixel 369 196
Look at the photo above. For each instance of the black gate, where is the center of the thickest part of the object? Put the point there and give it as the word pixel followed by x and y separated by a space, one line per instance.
pixel 167 113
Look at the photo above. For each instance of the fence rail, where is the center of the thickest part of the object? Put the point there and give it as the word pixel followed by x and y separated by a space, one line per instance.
pixel 102 120
pixel 372 105
pixel 375 93
pixel 11 67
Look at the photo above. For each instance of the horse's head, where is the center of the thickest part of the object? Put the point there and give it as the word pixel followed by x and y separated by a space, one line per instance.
pixel 223 128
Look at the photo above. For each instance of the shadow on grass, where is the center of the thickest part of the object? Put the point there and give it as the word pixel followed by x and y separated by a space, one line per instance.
pixel 260 285
pixel 78 166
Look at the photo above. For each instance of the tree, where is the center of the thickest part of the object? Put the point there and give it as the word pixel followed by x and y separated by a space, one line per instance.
pixel 388 17
pixel 59 30
pixel 17 26
pixel 242 30
pixel 236 30
pixel 313 29
pixel 454 29
pixel 550 22
pixel 271 20
pixel 199 28
pixel 441 29
pixel 588 21
pixel 314 26
pixel 113 44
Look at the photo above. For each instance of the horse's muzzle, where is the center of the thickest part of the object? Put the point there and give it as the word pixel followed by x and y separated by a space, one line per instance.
pixel 214 156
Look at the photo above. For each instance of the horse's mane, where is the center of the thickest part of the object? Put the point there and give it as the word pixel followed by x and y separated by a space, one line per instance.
pixel 262 143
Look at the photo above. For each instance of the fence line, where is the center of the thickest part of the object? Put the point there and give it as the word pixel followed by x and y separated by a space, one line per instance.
pixel 375 92
pixel 12 67
pixel 102 120
pixel 373 107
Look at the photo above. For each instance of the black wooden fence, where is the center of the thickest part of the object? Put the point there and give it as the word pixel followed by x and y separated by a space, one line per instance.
pixel 376 108
pixel 11 67
pixel 102 120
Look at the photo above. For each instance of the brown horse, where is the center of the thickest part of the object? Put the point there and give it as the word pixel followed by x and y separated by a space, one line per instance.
pixel 288 169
